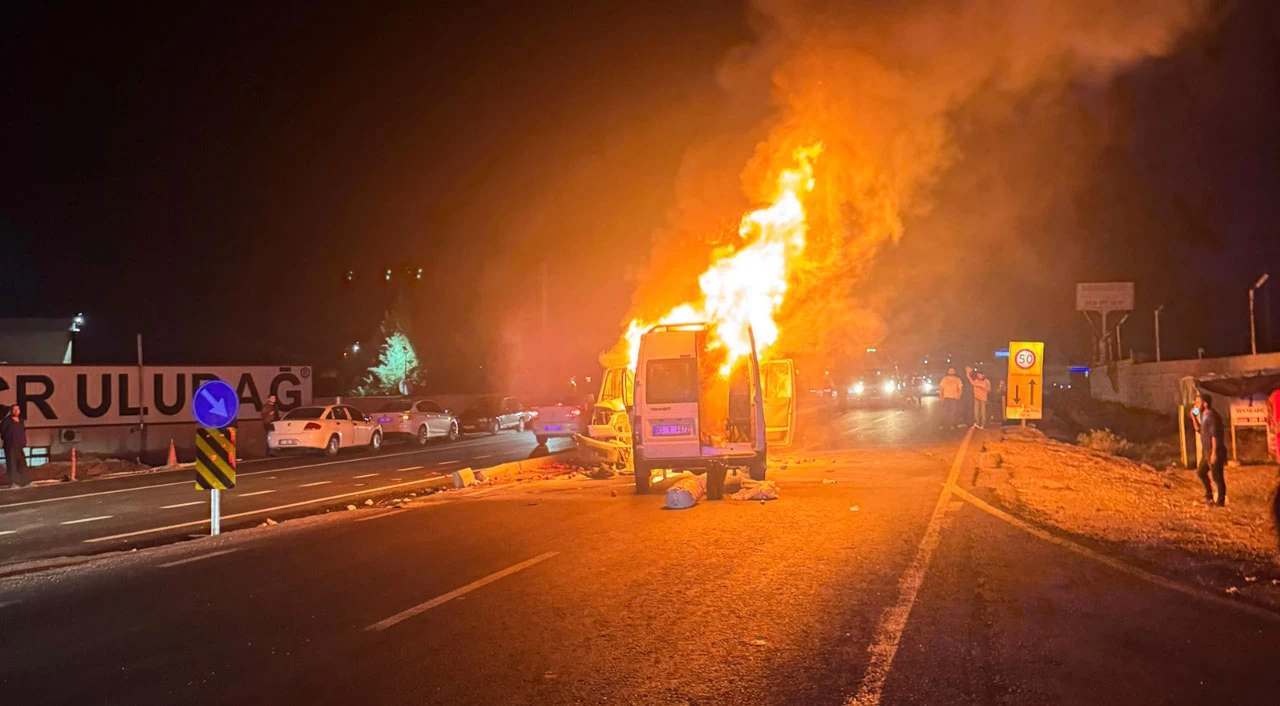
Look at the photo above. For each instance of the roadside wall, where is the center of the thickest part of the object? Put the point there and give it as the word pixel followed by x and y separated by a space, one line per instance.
pixel 1154 386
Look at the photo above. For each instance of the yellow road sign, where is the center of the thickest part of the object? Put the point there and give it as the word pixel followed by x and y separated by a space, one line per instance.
pixel 215 459
pixel 1025 398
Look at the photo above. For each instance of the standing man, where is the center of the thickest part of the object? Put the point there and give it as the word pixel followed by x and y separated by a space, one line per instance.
pixel 14 434
pixel 949 390
pixel 270 413
pixel 1213 451
pixel 981 388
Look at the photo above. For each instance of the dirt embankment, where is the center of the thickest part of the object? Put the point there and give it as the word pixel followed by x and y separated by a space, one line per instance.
pixel 1153 516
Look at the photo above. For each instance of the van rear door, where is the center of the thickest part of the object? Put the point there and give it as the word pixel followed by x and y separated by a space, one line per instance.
pixel 778 378
pixel 667 395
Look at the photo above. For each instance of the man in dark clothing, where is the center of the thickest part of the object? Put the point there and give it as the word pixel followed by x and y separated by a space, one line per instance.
pixel 14 435
pixel 270 413
pixel 1213 451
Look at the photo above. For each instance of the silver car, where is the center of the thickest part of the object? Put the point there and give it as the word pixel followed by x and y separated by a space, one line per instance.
pixel 420 420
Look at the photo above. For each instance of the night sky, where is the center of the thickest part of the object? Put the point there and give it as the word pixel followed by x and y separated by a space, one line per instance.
pixel 206 176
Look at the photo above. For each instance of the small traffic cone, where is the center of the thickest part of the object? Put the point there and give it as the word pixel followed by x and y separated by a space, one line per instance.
pixel 173 455
pixel 73 463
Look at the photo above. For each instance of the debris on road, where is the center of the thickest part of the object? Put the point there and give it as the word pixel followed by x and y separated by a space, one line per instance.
pixel 828 481
pixel 369 501
pixel 764 490
pixel 854 508
pixel 686 492
pixel 351 507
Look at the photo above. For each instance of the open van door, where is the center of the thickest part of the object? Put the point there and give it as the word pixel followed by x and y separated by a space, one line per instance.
pixel 778 378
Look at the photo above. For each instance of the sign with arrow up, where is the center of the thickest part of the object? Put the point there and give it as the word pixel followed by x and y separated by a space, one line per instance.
pixel 1025 399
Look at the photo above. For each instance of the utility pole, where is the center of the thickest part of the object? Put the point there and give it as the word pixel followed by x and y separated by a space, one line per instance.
pixel 1253 327
pixel 1158 310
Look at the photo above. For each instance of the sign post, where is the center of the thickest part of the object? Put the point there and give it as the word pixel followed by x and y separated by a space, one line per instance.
pixel 1249 411
pixel 1105 298
pixel 215 406
pixel 1025 398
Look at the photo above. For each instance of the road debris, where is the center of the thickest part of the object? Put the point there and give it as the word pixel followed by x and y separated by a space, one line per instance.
pixel 854 508
pixel 686 492
pixel 764 490
pixel 757 642
pixel 351 507
pixel 828 481
pixel 369 502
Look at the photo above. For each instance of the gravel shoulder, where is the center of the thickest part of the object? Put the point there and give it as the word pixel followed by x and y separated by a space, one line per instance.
pixel 1151 516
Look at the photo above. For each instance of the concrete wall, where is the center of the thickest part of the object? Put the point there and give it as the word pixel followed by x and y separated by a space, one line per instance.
pixel 1154 386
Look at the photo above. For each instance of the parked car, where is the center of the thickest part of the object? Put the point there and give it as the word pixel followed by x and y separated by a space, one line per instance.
pixel 491 415
pixel 564 418
pixel 326 429
pixel 420 420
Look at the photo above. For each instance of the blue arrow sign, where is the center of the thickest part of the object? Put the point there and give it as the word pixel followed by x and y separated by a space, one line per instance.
pixel 215 405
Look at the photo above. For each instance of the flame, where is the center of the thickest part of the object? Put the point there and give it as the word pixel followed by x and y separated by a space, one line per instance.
pixel 743 289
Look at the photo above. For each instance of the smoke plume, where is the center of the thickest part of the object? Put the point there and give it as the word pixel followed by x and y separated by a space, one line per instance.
pixel 877 84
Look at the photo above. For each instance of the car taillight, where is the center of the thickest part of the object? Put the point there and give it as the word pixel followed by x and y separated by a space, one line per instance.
pixel 311 426
pixel 405 417
pixel 575 412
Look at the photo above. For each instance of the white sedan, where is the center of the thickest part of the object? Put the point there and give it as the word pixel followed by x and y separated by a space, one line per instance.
pixel 421 420
pixel 326 429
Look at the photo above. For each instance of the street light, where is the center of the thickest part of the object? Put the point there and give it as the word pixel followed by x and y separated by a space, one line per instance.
pixel 1157 315
pixel 1253 329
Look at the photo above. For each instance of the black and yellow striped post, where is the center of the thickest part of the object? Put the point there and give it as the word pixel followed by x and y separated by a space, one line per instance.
pixel 215 468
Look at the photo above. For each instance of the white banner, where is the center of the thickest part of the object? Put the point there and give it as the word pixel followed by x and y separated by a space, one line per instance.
pixel 69 396
pixel 1104 296
pixel 1249 412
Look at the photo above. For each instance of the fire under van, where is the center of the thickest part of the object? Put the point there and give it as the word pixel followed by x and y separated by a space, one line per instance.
pixel 686 415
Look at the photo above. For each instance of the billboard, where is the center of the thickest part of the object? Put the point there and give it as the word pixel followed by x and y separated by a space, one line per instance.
pixel 104 395
pixel 1104 296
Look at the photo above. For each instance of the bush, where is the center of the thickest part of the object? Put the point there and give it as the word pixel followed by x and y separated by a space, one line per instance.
pixel 1105 441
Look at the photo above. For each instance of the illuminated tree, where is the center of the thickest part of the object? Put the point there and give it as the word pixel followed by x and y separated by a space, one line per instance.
pixel 397 368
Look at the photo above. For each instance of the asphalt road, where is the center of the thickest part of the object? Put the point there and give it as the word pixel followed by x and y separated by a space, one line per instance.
pixel 865 583
pixel 111 514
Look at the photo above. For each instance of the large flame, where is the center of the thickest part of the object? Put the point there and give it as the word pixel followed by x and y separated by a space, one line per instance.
pixel 743 288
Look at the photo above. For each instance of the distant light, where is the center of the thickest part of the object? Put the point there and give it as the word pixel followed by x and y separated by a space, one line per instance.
pixel 871 350
pixel 386 275
pixel 827 372
pixel 77 323
pixel 418 274
pixel 1002 353
pixel 351 275
pixel 355 347
pixel 888 387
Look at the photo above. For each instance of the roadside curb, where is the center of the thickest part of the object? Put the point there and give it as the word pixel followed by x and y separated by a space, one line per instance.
pixel 506 470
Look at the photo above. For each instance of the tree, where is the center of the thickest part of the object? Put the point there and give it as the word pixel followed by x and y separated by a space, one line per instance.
pixel 397 368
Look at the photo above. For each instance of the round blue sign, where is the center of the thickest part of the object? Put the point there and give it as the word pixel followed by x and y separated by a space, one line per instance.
pixel 215 404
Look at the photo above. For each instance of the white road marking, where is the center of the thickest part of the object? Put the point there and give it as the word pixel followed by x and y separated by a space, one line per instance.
pixel 481 458
pixel 188 560
pixel 361 459
pixel 884 646
pixel 193 502
pixel 367 475
pixel 445 598
pixel 1116 563
pixel 447 463
pixel 256 492
pixel 6 604
pixel 4 532
pixel 265 510
pixel 410 468
pixel 319 482
pixel 88 519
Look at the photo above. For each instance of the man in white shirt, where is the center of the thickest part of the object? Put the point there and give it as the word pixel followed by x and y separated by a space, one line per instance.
pixel 981 389
pixel 950 387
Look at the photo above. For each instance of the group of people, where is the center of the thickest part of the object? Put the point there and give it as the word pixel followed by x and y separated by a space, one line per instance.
pixel 951 390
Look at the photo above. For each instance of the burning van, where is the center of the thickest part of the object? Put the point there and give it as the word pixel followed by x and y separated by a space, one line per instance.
pixel 686 411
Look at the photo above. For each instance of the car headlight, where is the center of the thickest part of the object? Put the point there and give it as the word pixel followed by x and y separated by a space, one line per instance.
pixel 927 386
pixel 858 388
pixel 888 387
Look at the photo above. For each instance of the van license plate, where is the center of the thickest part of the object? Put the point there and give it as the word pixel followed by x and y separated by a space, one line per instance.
pixel 553 428
pixel 672 429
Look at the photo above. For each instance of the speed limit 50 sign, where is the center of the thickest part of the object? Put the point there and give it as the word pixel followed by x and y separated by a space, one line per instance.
pixel 1025 399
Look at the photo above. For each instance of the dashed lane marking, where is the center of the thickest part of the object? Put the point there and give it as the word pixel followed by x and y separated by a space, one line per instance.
pixel 1116 563
pixel 410 468
pixel 263 511
pixel 4 532
pixel 312 485
pixel 888 635
pixel 445 598
pixel 256 492
pixel 202 557
pixel 193 502
pixel 88 519
pixel 366 475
